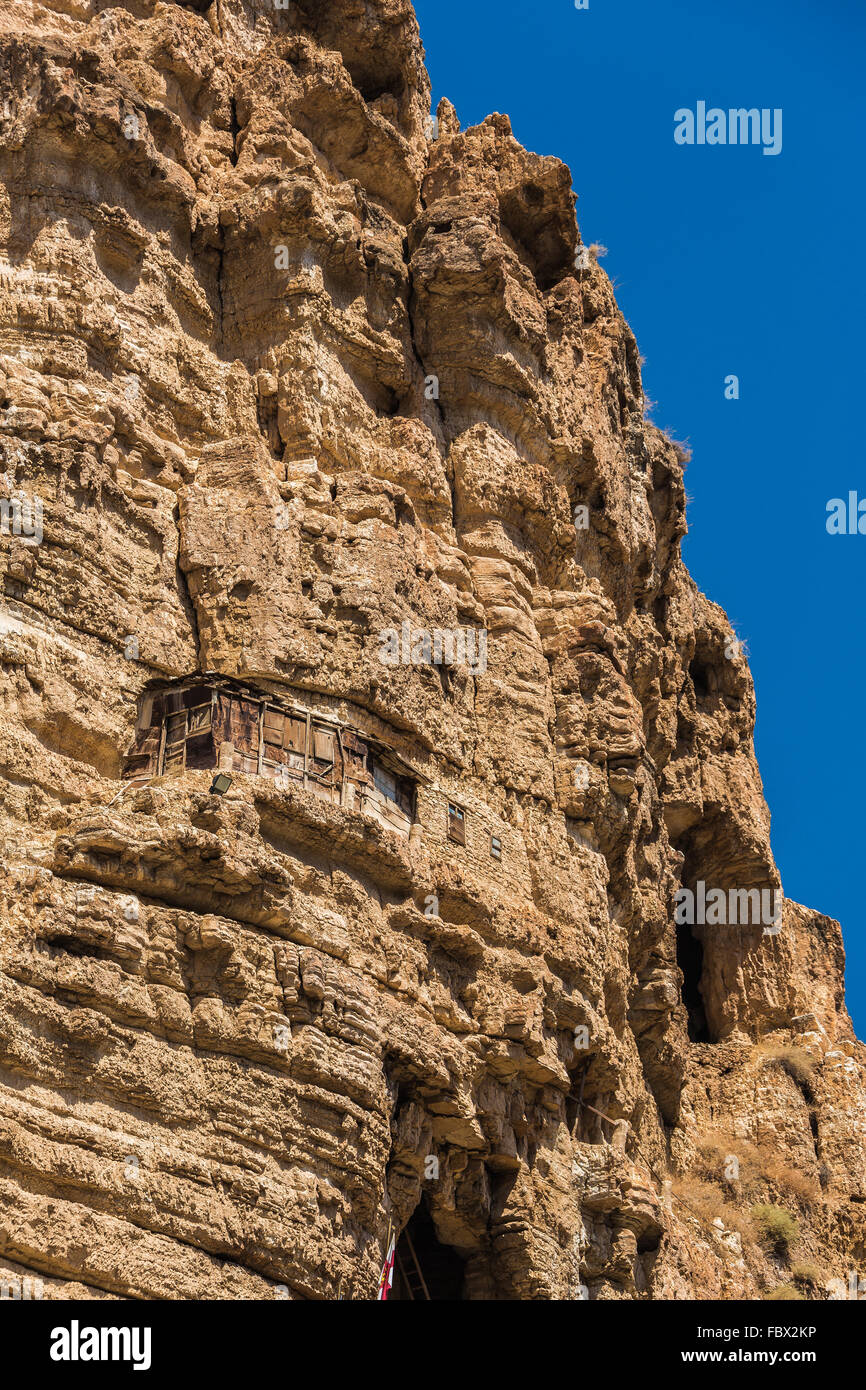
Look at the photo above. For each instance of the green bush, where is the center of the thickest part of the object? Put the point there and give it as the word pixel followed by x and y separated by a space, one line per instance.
pixel 776 1226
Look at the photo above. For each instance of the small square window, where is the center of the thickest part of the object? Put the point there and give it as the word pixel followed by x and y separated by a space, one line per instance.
pixel 456 825
pixel 495 847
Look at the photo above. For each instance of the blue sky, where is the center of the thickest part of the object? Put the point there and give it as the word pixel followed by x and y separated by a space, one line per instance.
pixel 726 260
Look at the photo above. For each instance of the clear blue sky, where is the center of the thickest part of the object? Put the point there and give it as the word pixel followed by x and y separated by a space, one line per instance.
pixel 726 260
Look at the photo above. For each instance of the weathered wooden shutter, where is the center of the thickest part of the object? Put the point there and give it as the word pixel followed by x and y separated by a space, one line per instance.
pixel 324 744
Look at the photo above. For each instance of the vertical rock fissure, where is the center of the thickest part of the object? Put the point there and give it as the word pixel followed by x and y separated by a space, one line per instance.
pixel 186 598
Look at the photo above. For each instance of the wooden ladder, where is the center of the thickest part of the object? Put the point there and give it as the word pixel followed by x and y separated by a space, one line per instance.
pixel 412 1277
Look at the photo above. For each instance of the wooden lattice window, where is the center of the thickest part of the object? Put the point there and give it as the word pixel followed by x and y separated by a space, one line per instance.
pixel 390 785
pixel 325 764
pixel 385 781
pixel 355 750
pixel 188 725
pixel 324 743
pixel 285 738
pixel 456 824
pixel 295 737
pixel 274 728
pixel 495 847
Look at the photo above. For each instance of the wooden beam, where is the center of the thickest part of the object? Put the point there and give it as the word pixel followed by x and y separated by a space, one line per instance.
pixel 307 738
pixel 403 1275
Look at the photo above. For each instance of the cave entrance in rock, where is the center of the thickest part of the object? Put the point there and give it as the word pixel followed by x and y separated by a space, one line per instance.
pixel 690 959
pixel 425 1269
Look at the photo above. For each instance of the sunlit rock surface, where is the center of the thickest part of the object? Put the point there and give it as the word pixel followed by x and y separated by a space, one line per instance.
pixel 287 367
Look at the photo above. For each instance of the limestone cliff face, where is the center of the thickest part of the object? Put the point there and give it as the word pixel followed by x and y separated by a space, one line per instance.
pixel 282 370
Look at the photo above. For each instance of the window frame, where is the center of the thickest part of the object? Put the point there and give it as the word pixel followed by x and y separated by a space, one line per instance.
pixel 456 823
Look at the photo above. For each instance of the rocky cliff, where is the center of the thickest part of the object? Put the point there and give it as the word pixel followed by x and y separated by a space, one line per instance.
pixel 304 390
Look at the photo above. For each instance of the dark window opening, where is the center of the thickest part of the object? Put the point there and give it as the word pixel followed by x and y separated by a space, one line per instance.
pixel 200 752
pixel 425 1269
pixel 690 959
pixel 700 675
pixel 456 825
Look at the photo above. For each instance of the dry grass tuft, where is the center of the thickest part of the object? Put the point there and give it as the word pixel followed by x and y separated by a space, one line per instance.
pixel 704 1200
pixel 780 1174
pixel 797 1063
pixel 681 447
pixel 756 1164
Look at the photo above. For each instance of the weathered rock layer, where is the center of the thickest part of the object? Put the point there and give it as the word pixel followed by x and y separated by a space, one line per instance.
pixel 284 368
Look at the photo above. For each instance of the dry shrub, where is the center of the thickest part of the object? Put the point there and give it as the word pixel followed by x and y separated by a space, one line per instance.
pixel 703 1200
pixel 781 1174
pixel 785 1293
pixel 795 1061
pixel 713 1150
pixel 757 1163
pixel 681 448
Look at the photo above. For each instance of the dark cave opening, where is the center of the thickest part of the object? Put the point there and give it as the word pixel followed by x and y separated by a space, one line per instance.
pixel 700 675
pixel 690 959
pixel 425 1268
